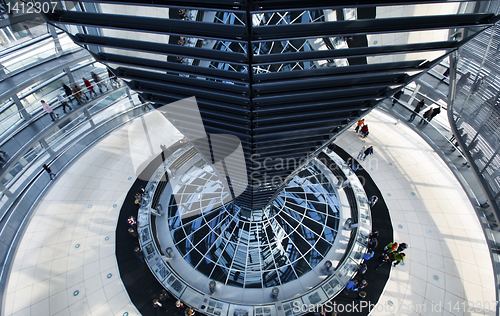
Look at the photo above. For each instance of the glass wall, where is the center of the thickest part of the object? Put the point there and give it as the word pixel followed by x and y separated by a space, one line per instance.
pixel 23 31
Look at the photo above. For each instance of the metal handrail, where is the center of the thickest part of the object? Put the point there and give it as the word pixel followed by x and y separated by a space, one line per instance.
pixel 405 106
pixel 36 176
pixel 23 150
pixel 52 101
pixel 45 150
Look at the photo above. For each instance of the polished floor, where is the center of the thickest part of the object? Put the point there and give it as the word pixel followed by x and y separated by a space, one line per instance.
pixel 69 243
pixel 448 263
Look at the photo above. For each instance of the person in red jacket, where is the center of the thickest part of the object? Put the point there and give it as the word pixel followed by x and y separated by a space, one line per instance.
pixel 90 87
pixel 364 131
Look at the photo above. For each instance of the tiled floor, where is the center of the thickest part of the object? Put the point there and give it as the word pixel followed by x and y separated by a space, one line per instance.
pixel 69 244
pixel 448 260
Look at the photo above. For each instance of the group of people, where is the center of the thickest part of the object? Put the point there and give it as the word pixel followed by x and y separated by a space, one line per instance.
pixel 365 152
pixel 359 282
pixel 181 309
pixel 392 253
pixel 78 94
pixel 428 115
pixel 362 128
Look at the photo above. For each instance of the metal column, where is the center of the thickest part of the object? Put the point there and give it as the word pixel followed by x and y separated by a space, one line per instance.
pixel 21 108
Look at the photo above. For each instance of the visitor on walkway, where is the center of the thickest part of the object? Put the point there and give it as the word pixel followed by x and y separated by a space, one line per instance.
pixel 355 167
pixel 426 117
pixel 391 247
pixel 179 305
pixel 374 234
pixel 63 103
pixel 90 87
pixel 364 131
pixel 435 112
pixel 373 243
pixel 132 221
pixel 189 312
pixel 369 255
pixel 401 247
pixel 363 284
pixel 351 286
pixel 384 258
pixel 368 151
pixel 49 171
pixel 97 81
pixel 398 258
pixel 418 108
pixel 77 93
pixel 362 268
pixel 349 162
pixel 133 233
pixel 361 296
pixel 138 253
pixel 396 97
pixel 359 125
pixel 361 152
pixel 49 110
pixel 373 200
pixel 157 305
pixel 67 90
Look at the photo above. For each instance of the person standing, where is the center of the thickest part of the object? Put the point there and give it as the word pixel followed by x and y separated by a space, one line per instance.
pixel 49 171
pixel 399 257
pixel 63 103
pixel 361 152
pixel 427 114
pixel 373 200
pixel 401 247
pixel 418 108
pixel 391 247
pixel 369 255
pixel 364 131
pixel 362 268
pixel 90 87
pixel 77 92
pixel 373 243
pixel 157 305
pixel 351 286
pixel 49 110
pixel 359 125
pixel 349 162
pixel 384 258
pixel 396 97
pixel 189 312
pixel 368 151
pixel 97 80
pixel 67 90
pixel 435 112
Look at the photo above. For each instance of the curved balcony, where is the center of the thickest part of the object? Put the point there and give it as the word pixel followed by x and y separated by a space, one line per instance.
pixel 80 130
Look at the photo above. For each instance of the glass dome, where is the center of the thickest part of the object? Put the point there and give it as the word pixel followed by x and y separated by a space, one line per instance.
pixel 276 246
